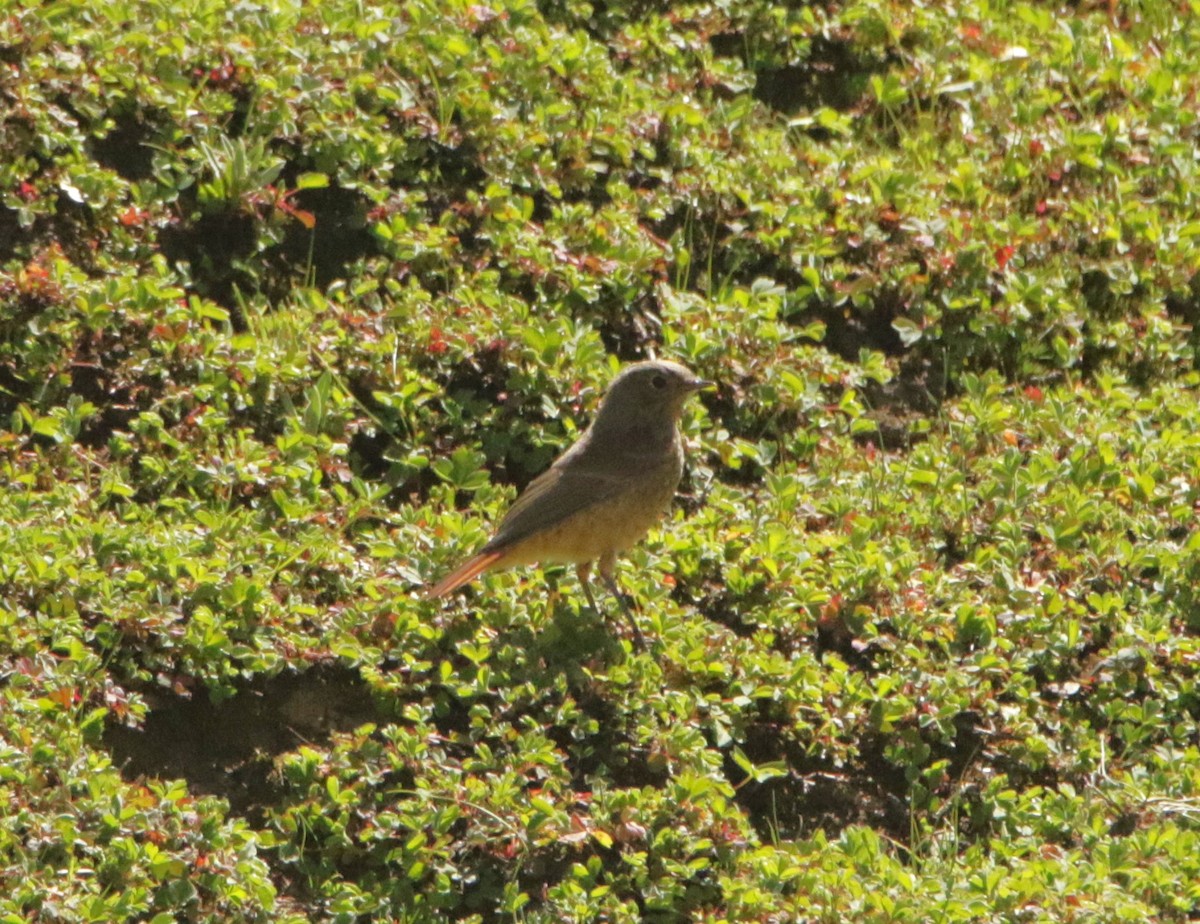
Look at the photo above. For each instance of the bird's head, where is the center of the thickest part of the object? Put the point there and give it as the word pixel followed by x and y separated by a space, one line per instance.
pixel 653 390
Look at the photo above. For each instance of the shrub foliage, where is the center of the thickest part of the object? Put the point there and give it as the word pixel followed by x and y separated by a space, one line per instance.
pixel 294 297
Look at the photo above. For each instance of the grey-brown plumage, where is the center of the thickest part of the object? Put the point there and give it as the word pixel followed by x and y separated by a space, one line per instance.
pixel 604 493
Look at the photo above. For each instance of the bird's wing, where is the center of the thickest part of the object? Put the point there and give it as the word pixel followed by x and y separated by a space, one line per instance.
pixel 551 498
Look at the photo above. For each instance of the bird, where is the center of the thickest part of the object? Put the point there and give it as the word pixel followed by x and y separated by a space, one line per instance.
pixel 603 494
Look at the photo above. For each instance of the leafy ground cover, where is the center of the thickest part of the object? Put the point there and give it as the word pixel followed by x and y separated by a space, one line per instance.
pixel 295 299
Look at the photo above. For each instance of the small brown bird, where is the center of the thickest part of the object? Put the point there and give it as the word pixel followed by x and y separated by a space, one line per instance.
pixel 604 493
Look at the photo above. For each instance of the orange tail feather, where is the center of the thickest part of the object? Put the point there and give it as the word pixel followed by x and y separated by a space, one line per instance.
pixel 463 573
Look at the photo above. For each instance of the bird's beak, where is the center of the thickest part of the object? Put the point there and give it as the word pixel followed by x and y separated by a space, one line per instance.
pixel 700 384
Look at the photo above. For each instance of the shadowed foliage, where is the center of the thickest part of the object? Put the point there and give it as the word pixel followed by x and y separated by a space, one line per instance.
pixel 294 298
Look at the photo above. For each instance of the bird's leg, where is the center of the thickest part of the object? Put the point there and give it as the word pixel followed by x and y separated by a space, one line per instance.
pixel 608 565
pixel 582 570
pixel 552 596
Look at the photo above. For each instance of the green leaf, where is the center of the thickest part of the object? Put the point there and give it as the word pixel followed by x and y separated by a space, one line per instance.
pixel 312 181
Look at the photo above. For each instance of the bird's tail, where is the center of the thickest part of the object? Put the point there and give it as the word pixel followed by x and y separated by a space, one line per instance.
pixel 463 573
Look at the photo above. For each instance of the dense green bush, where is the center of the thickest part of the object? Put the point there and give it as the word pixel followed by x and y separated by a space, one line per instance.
pixel 294 298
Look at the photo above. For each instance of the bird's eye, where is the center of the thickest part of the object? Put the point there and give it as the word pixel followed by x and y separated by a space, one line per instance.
pixel 659 381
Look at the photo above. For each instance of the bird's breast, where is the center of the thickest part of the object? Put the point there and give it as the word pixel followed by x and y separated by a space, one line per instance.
pixel 610 526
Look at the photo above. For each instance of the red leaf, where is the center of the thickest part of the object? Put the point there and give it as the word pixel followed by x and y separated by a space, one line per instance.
pixel 63 696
